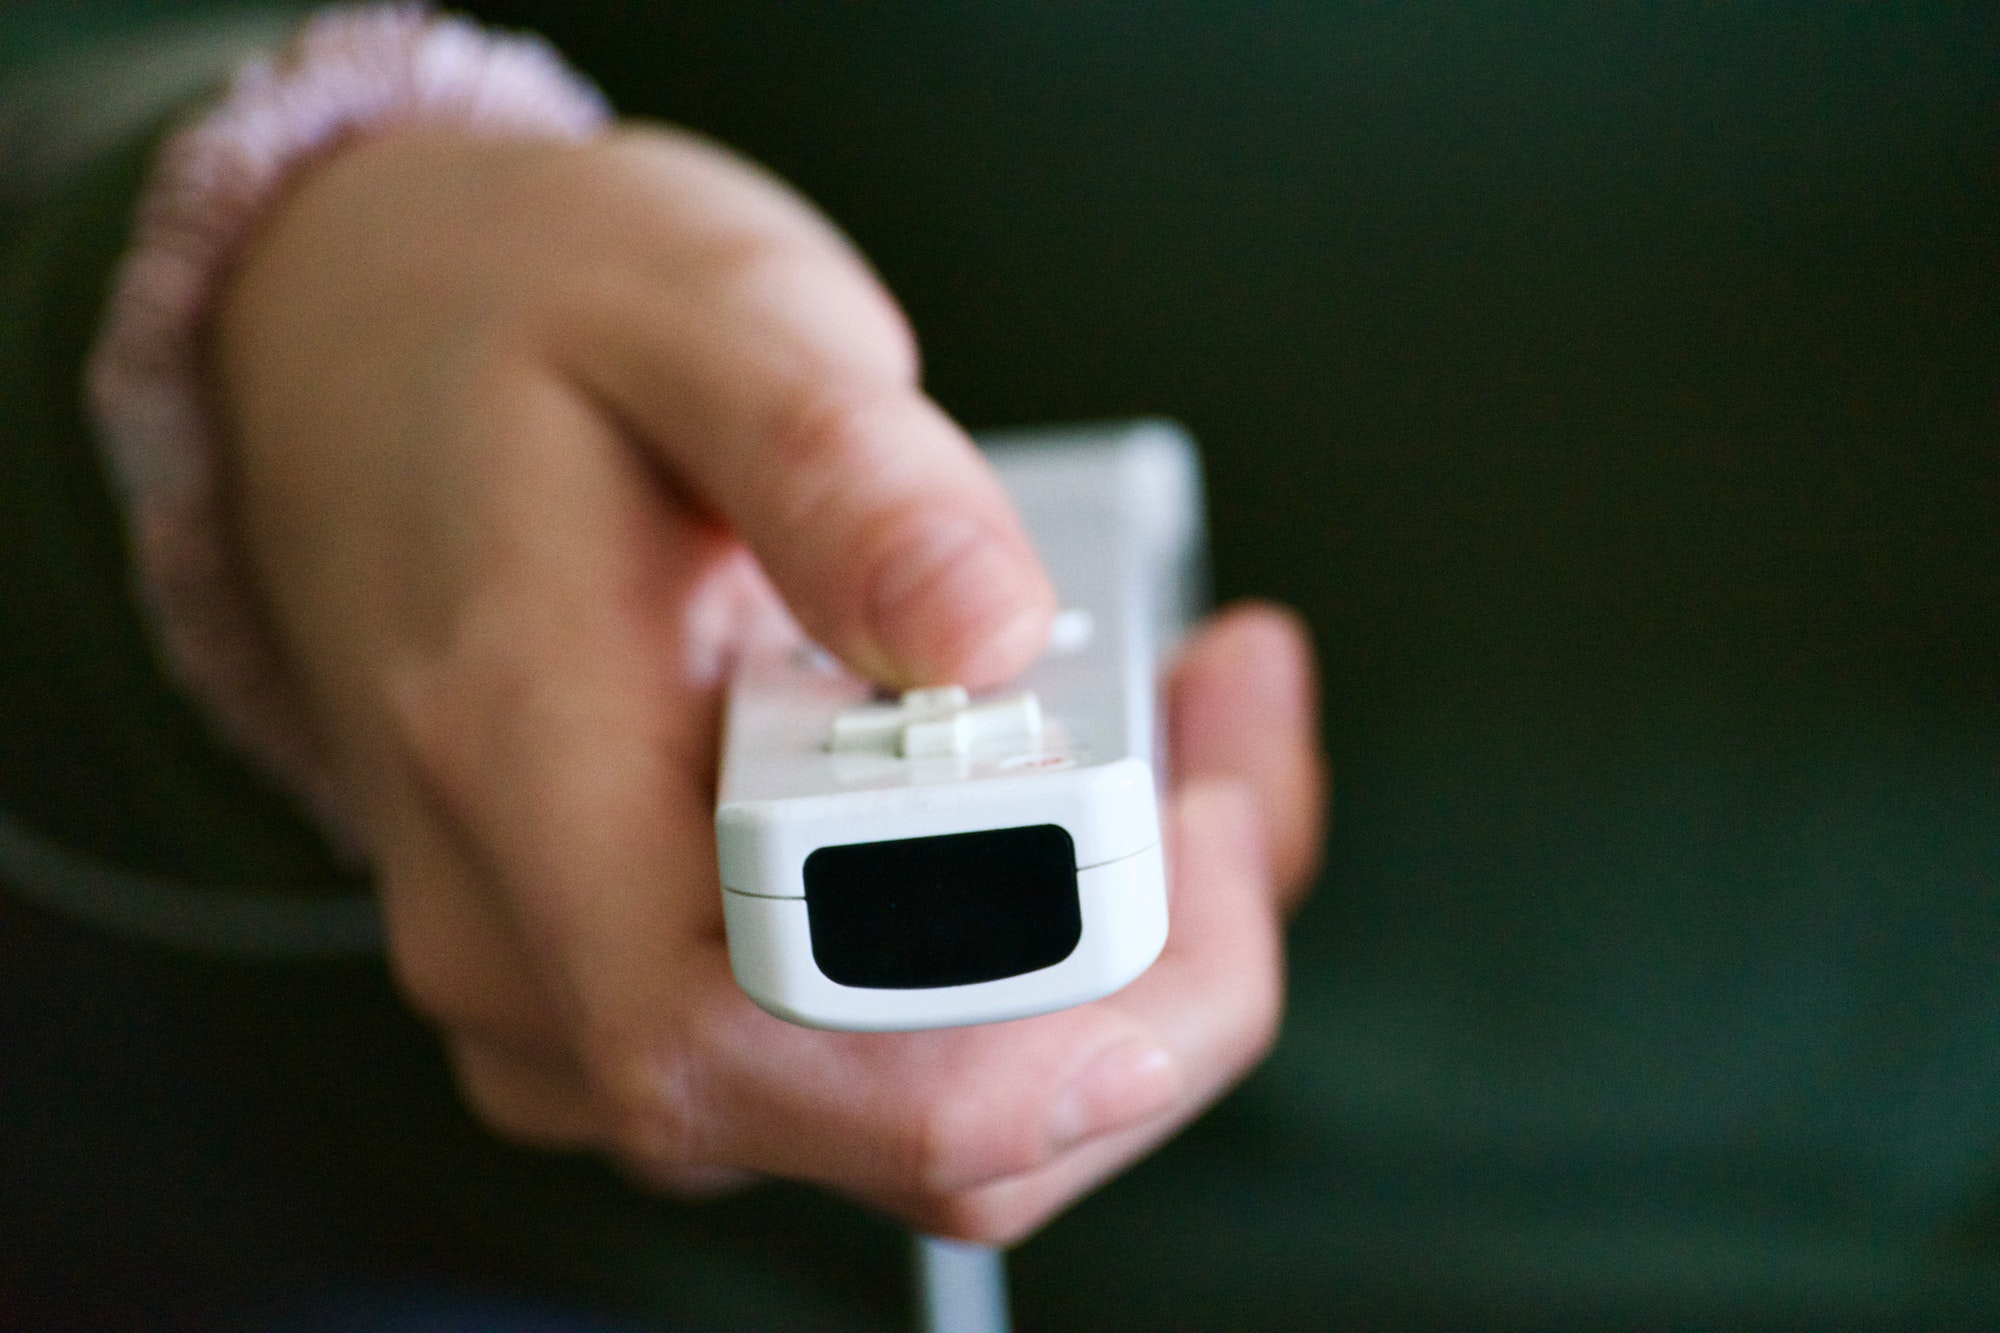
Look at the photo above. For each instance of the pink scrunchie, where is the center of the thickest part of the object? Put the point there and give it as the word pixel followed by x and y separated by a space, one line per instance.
pixel 348 72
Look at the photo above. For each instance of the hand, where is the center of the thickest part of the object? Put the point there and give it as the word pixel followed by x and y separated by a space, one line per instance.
pixel 509 422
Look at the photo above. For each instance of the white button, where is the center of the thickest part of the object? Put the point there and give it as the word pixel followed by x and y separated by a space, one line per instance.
pixel 873 728
pixel 939 736
pixel 880 726
pixel 1015 721
pixel 940 721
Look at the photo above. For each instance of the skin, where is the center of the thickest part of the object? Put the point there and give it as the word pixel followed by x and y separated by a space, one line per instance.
pixel 525 438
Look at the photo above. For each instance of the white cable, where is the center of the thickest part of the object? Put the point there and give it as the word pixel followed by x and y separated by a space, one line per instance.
pixel 233 922
pixel 960 1288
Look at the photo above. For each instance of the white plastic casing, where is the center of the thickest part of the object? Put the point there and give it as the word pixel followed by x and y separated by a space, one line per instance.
pixel 1115 513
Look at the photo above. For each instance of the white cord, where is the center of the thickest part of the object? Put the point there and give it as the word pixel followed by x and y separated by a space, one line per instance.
pixel 960 1288
pixel 233 922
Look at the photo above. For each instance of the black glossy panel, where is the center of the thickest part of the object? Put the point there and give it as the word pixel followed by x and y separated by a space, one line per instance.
pixel 916 913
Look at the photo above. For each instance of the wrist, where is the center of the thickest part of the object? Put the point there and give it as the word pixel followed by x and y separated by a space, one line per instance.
pixel 347 74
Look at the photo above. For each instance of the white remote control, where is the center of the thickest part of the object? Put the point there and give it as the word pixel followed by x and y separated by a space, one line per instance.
pixel 939 859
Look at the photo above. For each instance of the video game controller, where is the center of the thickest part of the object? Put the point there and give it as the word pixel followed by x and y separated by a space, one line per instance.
pixel 939 859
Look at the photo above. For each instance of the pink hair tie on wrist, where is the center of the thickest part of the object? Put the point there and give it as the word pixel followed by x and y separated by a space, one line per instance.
pixel 347 73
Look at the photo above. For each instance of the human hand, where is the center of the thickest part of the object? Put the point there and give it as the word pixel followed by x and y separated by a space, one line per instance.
pixel 508 419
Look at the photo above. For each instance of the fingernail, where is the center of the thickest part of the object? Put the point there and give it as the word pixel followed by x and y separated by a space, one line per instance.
pixel 1131 1082
pixel 953 603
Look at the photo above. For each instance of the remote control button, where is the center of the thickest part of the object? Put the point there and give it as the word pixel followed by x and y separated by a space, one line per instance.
pixel 871 728
pixel 937 722
pixel 1015 720
pixel 880 726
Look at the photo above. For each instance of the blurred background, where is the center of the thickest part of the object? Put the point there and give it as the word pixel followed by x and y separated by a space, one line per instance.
pixel 1613 388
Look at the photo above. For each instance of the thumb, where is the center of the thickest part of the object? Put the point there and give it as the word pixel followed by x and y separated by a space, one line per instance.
pixel 782 393
pixel 886 532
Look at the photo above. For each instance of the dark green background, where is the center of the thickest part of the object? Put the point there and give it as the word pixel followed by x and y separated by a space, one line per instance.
pixel 1614 389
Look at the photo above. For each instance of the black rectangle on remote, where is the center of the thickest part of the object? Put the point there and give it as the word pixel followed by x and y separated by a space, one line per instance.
pixel 952 910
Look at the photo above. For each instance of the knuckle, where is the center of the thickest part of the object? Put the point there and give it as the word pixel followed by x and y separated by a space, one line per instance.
pixel 430 970
pixel 447 713
pixel 923 1148
pixel 655 1109
pixel 791 275
pixel 694 1183
pixel 955 1141
pixel 928 1150
pixel 500 1114
pixel 827 425
pixel 828 441
pixel 513 1111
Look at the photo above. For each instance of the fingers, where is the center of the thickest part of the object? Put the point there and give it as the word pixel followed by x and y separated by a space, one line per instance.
pixel 572 751
pixel 981 1133
pixel 1212 1000
pixel 1215 993
pixel 1243 704
pixel 525 1098
pixel 780 389
pixel 511 630
pixel 984 1132
pixel 456 952
pixel 531 1099
pixel 878 1115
